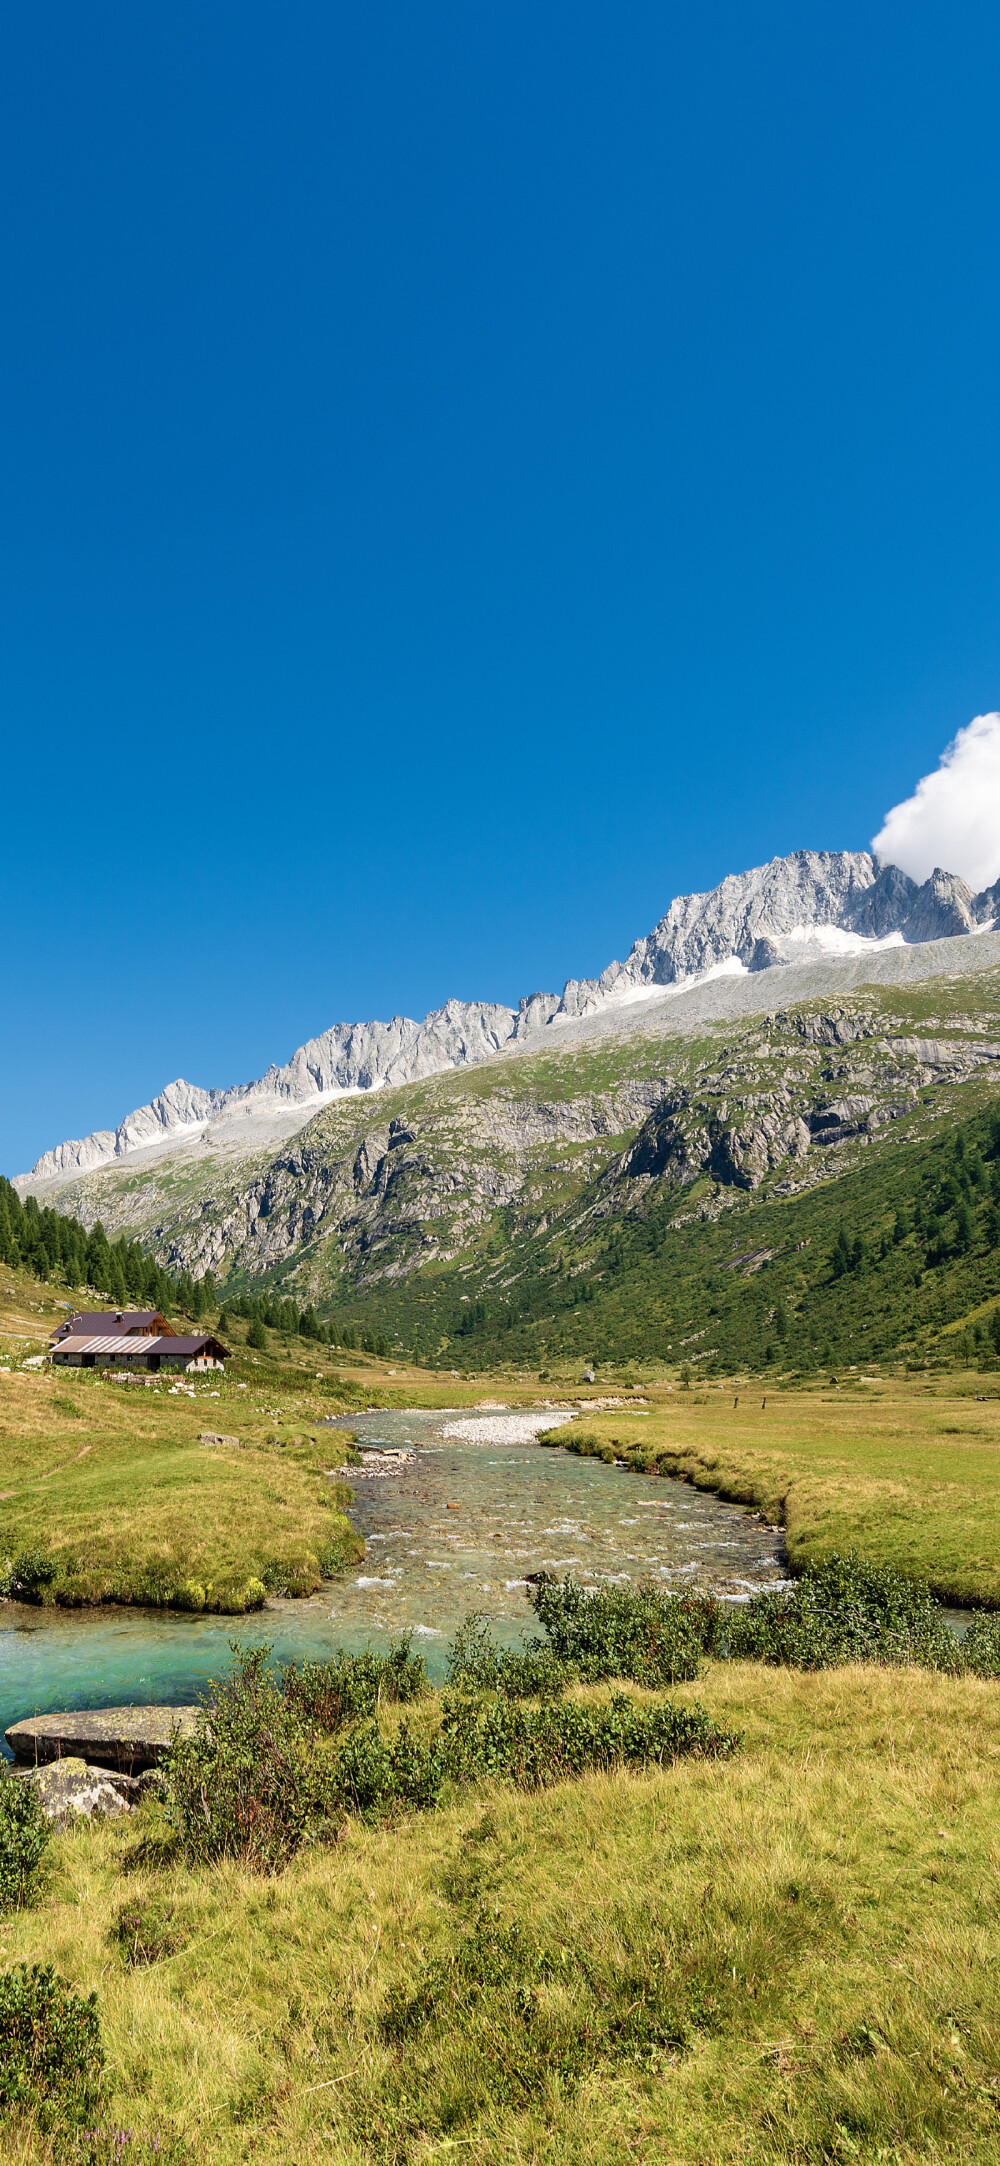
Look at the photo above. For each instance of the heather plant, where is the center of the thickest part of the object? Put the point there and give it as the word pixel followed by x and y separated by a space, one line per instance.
pixel 50 2045
pixel 145 1930
pixel 25 1834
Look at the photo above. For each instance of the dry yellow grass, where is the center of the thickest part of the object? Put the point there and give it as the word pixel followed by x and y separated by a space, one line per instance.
pixel 829 1901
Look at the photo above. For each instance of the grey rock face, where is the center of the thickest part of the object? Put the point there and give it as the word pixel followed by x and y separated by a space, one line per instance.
pixel 752 921
pixel 942 908
pixel 700 931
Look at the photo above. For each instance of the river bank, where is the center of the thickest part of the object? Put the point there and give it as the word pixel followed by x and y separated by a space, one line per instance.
pixel 454 1526
pixel 904 1473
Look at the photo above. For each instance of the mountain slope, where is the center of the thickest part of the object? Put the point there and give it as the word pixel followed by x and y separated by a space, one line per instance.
pixel 574 1196
pixel 794 910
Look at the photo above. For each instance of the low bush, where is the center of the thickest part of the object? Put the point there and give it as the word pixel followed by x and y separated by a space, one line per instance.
pixel 250 1783
pixel 350 1688
pixel 50 2044
pixel 25 1834
pixel 635 1632
pixel 34 1574
pixel 980 1649
pixel 258 1779
pixel 477 1664
pixel 845 1610
pixel 532 1746
pixel 373 1773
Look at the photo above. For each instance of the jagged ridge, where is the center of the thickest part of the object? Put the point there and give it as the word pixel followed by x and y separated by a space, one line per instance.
pixel 752 921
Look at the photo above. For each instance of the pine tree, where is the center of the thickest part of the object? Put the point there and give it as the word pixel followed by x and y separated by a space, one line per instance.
pixel 257 1336
pixel 964 1227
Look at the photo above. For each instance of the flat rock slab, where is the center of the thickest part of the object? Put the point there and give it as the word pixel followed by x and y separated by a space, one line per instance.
pixel 127 1739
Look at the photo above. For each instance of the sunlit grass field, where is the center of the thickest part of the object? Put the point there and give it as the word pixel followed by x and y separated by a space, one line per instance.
pixel 907 1473
pixel 820 1915
pixel 109 1481
pixel 813 1925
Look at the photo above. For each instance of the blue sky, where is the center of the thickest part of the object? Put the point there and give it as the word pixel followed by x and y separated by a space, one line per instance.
pixel 468 474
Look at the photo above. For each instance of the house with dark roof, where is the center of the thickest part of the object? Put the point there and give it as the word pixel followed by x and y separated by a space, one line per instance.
pixel 137 1350
pixel 132 1339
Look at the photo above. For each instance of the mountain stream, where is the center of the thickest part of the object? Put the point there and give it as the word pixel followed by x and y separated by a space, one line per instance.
pixel 452 1524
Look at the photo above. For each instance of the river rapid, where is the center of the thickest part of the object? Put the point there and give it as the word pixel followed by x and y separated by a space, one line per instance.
pixel 455 1525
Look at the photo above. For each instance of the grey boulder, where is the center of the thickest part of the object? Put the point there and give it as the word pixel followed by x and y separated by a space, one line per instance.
pixel 70 1790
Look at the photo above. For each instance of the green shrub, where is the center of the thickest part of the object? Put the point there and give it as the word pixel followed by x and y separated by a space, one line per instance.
pixel 531 1746
pixel 477 1664
pixel 34 1575
pixel 980 1649
pixel 50 2043
pixel 636 1632
pixel 373 1774
pixel 845 1610
pixel 24 1837
pixel 250 1783
pixel 345 1549
pixel 351 1687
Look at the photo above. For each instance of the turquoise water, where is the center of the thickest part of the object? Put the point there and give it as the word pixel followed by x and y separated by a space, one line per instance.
pixel 520 1507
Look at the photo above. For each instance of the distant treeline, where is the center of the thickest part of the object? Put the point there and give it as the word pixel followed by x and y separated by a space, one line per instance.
pixel 882 1260
pixel 37 1239
pixel 267 1312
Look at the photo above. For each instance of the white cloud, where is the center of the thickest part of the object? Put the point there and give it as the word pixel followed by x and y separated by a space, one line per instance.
pixel 953 817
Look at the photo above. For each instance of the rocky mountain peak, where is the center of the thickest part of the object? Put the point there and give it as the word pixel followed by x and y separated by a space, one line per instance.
pixel 811 903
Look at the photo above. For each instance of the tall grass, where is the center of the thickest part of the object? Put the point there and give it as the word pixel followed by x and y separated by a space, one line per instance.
pixel 790 1957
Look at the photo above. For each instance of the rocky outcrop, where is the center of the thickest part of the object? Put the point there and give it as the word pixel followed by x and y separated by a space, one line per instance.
pixel 395 1194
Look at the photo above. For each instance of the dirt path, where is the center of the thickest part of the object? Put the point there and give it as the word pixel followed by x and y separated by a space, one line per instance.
pixel 49 1471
